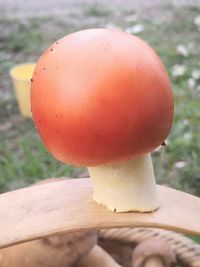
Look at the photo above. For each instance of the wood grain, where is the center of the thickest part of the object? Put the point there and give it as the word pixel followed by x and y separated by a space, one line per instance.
pixel 67 206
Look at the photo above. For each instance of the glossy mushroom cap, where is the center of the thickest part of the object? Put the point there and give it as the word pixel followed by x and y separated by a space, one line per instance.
pixel 100 96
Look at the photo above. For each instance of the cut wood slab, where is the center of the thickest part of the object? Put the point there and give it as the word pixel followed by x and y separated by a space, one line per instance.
pixel 67 206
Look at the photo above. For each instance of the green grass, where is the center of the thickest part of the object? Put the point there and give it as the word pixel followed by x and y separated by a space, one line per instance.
pixel 25 40
pixel 23 158
pixel 29 162
pixel 97 10
pixel 195 238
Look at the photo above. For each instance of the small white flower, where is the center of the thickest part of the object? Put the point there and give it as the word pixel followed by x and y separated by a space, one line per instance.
pixel 185 122
pixel 198 88
pixel 137 28
pixel 131 18
pixel 196 74
pixel 180 164
pixel 178 70
pixel 182 50
pixel 196 20
pixel 191 83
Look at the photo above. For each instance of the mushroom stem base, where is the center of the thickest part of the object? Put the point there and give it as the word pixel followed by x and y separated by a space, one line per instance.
pixel 126 186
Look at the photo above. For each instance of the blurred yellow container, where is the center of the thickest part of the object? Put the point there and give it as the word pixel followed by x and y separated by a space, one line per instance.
pixel 21 75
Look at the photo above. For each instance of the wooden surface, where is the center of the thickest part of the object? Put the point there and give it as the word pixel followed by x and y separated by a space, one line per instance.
pixel 67 206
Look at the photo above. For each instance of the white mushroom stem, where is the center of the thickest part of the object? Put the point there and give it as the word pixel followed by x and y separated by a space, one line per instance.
pixel 126 186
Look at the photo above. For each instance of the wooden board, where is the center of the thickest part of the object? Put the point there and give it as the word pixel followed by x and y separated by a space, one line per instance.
pixel 67 206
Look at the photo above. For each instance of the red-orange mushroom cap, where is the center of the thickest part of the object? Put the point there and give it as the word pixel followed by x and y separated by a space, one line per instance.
pixel 100 96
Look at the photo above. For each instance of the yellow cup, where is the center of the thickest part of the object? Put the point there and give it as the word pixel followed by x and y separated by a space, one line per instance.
pixel 21 75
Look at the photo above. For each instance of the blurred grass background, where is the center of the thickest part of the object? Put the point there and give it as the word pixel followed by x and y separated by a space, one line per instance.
pixel 175 35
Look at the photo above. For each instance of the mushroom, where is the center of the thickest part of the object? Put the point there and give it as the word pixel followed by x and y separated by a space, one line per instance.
pixel 102 99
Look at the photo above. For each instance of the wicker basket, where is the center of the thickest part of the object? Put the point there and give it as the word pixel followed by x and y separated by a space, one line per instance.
pixel 120 243
pixel 135 247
